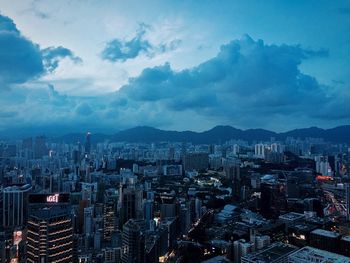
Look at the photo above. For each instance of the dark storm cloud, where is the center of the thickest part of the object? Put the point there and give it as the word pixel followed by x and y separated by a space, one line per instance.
pixel 246 77
pixel 122 50
pixel 7 24
pixel 20 58
pixel 53 55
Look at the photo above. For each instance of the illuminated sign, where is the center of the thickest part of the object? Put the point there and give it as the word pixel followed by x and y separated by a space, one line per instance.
pixel 17 237
pixel 52 198
pixel 324 178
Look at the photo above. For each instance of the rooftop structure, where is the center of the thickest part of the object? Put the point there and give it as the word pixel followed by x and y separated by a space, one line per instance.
pixel 275 253
pixel 326 233
pixel 292 216
pixel 310 254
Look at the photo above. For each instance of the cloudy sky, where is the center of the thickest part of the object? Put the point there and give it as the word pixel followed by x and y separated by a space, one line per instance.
pixel 71 65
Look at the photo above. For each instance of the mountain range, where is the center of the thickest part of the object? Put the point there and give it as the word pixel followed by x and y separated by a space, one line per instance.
pixel 218 134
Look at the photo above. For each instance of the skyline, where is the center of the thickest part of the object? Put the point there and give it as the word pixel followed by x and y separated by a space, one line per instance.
pixel 110 66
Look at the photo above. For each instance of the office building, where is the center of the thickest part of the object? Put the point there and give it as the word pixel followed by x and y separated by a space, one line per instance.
pixel 88 143
pixel 50 236
pixel 273 198
pixel 196 161
pixel 325 240
pixel 133 242
pixel 131 204
pixel 109 216
pixel 14 205
pixel 242 248
pixel 344 247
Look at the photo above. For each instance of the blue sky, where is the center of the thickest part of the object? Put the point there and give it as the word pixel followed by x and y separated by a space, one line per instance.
pixel 109 65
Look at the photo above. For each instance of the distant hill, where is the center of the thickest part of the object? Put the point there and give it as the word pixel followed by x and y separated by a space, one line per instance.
pixel 217 134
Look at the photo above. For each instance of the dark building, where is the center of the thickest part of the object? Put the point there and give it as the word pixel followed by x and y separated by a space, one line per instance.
pixel 133 242
pixel 313 205
pixel 273 199
pixel 131 205
pixel 325 240
pixel 233 173
pixel 299 234
pixel 168 235
pixel 109 215
pixel 196 161
pixel 344 247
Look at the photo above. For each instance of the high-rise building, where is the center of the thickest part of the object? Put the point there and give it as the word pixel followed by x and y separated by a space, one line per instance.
pixel 148 213
pixel 27 148
pixel 109 216
pixel 232 172
pixel 88 220
pixel 130 204
pixel 40 148
pixel 344 247
pixel 196 161
pixel 325 240
pixel 273 198
pixel 133 242
pixel 168 237
pixel 171 153
pixel 347 193
pixel 259 150
pixel 50 236
pixel 14 205
pixel 88 143
pixel 241 248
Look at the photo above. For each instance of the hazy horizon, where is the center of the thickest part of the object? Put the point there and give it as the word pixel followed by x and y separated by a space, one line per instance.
pixel 54 133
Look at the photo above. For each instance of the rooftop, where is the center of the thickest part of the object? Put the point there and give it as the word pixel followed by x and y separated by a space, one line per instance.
pixel 271 253
pixel 291 216
pixel 310 254
pixel 17 188
pixel 322 232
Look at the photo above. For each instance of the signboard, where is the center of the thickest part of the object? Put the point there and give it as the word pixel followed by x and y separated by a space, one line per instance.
pixel 54 198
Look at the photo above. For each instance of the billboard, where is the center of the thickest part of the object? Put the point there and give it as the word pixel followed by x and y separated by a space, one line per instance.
pixel 54 198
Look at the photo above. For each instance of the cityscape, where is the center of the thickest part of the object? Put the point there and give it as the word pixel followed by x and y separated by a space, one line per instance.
pixel 174 131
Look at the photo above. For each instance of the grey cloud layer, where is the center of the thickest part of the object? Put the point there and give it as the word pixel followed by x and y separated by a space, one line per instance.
pixel 248 84
pixel 121 50
pixel 247 78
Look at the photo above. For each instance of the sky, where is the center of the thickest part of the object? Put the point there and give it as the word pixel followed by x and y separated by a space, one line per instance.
pixel 74 65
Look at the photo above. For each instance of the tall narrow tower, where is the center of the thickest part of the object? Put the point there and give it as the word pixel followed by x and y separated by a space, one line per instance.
pixel 88 143
pixel 347 195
